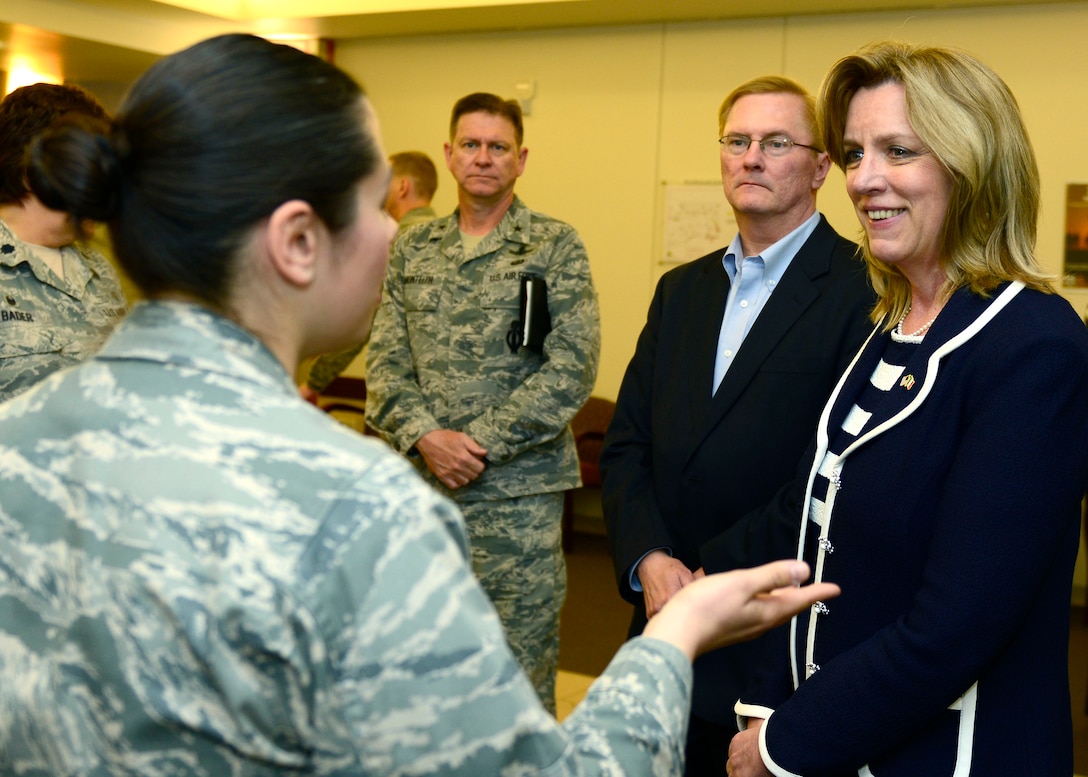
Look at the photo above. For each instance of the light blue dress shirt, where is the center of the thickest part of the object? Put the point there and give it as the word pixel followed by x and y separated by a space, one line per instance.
pixel 752 280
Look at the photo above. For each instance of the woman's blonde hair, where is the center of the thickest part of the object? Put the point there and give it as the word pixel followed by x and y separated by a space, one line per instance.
pixel 969 120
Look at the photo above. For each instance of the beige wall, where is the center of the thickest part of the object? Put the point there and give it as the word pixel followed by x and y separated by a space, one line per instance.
pixel 619 111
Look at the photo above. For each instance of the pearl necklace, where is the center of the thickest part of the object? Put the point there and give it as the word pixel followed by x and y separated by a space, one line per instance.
pixel 918 332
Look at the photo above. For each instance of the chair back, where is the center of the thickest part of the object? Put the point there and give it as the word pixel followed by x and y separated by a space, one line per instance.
pixel 589 425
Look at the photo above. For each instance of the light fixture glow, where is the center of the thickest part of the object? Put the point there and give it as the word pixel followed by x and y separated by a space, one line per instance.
pixel 24 72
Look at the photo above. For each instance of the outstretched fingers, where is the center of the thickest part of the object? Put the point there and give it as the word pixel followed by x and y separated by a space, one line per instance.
pixel 730 607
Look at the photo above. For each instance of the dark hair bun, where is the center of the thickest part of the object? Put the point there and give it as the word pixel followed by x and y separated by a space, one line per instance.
pixel 75 168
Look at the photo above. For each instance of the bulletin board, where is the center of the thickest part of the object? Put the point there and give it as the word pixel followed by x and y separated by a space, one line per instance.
pixel 697 219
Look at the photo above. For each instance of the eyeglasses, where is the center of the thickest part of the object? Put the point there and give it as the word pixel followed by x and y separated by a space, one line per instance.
pixel 777 146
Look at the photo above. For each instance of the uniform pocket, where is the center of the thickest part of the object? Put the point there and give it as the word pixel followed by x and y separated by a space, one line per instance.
pixel 23 334
pixel 502 294
pixel 421 295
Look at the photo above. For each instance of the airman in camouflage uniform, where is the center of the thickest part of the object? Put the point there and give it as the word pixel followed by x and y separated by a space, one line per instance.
pixel 59 298
pixel 439 360
pixel 46 322
pixel 203 575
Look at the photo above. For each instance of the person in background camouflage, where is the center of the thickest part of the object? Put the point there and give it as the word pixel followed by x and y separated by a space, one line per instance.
pixel 59 298
pixel 488 424
pixel 203 575
pixel 415 180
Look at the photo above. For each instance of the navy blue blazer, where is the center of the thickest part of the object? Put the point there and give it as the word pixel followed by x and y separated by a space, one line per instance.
pixel 953 527
pixel 681 466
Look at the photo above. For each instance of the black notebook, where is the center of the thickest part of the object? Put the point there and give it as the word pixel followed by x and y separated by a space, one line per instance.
pixel 534 320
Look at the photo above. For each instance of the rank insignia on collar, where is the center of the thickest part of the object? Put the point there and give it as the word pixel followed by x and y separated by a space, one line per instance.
pixel 907 382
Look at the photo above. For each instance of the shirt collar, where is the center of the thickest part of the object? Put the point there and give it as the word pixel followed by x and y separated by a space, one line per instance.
pixel 191 336
pixel 14 251
pixel 77 273
pixel 777 257
pixel 514 227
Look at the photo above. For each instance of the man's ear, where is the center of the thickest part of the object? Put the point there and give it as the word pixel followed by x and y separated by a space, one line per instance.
pixel 403 186
pixel 292 236
pixel 823 167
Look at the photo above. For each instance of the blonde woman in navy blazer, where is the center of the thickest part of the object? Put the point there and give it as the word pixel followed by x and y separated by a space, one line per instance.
pixel 943 489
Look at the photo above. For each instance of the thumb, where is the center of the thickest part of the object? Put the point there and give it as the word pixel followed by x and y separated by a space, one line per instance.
pixel 782 574
pixel 475 449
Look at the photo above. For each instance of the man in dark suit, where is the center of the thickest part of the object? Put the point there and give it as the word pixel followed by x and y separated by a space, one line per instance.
pixel 740 350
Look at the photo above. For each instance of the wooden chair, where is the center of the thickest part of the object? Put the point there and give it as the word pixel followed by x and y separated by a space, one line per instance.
pixel 589 425
pixel 345 400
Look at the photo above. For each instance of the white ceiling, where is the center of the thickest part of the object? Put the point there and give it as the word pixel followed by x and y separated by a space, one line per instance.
pixel 575 13
pixel 115 40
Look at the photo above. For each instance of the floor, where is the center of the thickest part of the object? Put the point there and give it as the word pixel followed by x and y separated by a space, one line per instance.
pixel 594 621
pixel 570 687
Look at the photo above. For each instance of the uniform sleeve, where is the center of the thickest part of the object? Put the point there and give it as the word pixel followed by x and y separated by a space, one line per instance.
pixel 421 679
pixel 327 367
pixel 1006 515
pixel 396 406
pixel 542 406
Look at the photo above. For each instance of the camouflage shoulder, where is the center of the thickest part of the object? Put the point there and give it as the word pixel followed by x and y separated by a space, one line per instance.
pixel 426 231
pixel 96 262
pixel 551 227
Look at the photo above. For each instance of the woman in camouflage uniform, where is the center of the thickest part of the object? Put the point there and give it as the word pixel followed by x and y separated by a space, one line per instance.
pixel 201 573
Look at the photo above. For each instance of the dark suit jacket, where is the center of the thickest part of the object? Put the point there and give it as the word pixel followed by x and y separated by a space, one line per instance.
pixel 681 466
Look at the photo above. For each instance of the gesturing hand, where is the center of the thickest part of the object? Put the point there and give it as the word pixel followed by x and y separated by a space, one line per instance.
pixel 729 607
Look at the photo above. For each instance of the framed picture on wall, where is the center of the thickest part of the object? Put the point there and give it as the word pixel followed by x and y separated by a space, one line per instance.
pixel 1075 266
pixel 697 220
